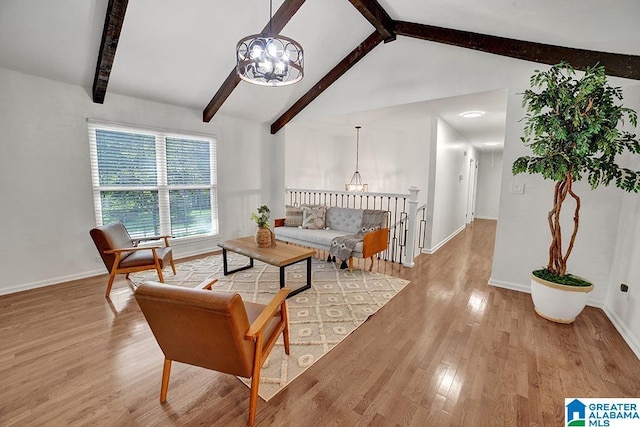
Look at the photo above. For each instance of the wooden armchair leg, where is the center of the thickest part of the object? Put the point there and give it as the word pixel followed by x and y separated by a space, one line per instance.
pixel 255 380
pixel 371 266
pixel 159 266
pixel 173 266
pixel 112 276
pixel 160 275
pixel 166 371
pixel 350 264
pixel 285 332
pixel 253 399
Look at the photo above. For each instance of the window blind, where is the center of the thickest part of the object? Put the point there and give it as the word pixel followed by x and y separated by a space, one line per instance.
pixel 154 182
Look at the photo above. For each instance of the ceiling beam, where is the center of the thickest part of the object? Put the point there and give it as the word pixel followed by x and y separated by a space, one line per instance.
pixel 279 20
pixel 110 36
pixel 616 64
pixel 221 95
pixel 343 66
pixel 378 17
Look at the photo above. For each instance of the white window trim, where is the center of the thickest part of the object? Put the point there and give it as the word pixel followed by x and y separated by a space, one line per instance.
pixel 163 188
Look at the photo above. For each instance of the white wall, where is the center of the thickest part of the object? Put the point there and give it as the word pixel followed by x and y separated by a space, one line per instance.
pixel 624 308
pixel 45 180
pixel 450 186
pixel 323 156
pixel 316 158
pixel 489 183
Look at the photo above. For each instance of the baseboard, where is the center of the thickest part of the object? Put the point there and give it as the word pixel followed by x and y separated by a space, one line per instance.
pixel 442 243
pixel 632 341
pixel 52 281
pixel 509 285
pixel 492 218
pixel 84 275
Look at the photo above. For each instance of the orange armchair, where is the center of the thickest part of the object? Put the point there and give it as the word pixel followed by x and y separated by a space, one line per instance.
pixel 213 330
pixel 121 254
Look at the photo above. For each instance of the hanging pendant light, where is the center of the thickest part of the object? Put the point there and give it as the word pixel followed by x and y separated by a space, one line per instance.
pixel 268 59
pixel 356 183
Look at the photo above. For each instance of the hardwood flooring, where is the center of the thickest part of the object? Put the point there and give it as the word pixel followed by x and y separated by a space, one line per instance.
pixel 449 350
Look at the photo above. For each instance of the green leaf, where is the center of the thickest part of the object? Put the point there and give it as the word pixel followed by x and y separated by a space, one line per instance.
pixel 520 165
pixel 571 125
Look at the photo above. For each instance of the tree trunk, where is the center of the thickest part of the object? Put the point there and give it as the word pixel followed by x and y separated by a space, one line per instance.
pixel 557 259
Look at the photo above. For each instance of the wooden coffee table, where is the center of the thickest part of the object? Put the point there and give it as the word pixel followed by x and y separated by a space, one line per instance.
pixel 281 255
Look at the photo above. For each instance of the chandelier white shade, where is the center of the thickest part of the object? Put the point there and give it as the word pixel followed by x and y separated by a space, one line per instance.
pixel 269 60
pixel 356 184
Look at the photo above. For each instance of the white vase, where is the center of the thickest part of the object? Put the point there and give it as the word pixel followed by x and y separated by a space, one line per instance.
pixel 556 302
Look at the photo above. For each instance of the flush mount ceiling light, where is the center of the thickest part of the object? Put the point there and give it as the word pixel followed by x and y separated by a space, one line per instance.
pixel 356 183
pixel 472 114
pixel 268 59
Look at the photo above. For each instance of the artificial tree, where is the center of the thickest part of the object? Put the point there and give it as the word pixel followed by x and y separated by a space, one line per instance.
pixel 571 127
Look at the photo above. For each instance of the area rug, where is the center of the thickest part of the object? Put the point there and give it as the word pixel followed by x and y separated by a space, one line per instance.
pixel 319 318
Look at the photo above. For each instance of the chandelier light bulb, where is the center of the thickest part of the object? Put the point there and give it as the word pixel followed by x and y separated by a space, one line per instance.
pixel 256 52
pixel 272 49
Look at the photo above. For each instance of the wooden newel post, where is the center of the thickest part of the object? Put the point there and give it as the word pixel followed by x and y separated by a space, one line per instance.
pixel 411 227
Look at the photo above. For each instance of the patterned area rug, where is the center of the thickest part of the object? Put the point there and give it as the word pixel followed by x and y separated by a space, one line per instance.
pixel 319 318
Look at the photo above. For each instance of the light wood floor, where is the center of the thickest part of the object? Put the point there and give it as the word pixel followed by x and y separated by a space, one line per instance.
pixel 448 350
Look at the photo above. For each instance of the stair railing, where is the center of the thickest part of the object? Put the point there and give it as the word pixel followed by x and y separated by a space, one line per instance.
pixel 406 223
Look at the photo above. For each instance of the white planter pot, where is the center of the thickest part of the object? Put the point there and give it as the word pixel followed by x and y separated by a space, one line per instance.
pixel 556 302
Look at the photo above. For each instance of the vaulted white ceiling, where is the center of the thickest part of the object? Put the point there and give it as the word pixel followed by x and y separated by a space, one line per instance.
pixel 180 52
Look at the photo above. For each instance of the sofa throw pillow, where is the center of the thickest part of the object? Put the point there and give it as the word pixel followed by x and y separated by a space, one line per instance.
pixel 293 216
pixel 313 217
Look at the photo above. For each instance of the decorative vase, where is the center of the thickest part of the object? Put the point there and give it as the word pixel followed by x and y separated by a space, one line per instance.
pixel 556 302
pixel 263 237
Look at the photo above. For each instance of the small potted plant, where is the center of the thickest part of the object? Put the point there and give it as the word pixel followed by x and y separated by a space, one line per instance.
pixel 263 233
pixel 571 127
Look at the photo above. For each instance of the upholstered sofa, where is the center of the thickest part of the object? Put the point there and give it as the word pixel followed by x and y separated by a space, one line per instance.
pixel 318 233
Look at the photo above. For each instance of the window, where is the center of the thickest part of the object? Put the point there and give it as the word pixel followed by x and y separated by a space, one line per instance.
pixel 154 182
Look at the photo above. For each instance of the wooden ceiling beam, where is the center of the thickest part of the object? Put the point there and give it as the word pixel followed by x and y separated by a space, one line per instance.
pixel 282 16
pixel 616 64
pixel 343 66
pixel 385 31
pixel 378 17
pixel 221 95
pixel 108 45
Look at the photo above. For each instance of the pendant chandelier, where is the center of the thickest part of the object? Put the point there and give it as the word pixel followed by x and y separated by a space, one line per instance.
pixel 356 183
pixel 269 60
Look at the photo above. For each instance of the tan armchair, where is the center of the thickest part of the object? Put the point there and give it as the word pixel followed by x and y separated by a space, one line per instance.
pixel 122 255
pixel 213 330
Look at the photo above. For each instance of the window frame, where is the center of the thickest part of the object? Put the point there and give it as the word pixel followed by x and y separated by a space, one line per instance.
pixel 162 186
